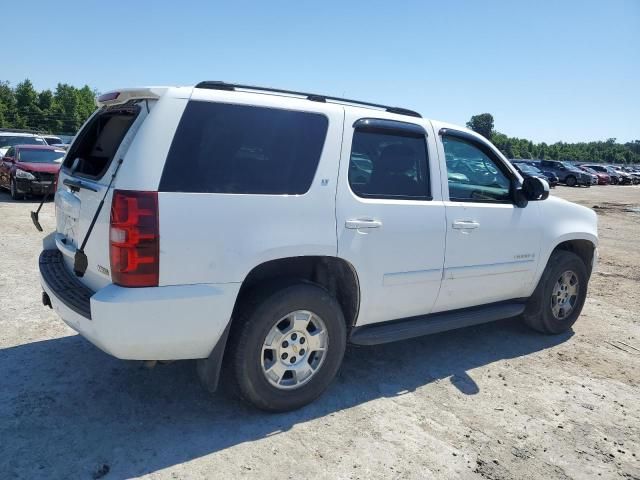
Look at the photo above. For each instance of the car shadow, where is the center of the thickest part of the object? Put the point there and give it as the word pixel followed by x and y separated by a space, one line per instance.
pixel 5 197
pixel 75 409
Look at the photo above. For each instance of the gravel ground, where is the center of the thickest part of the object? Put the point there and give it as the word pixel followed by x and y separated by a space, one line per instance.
pixel 495 401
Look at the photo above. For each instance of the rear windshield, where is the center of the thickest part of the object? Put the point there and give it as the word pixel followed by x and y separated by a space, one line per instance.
pixel 7 141
pixel 99 140
pixel 223 148
pixel 41 156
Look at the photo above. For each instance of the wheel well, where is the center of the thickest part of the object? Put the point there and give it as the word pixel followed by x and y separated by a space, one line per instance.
pixel 583 248
pixel 335 274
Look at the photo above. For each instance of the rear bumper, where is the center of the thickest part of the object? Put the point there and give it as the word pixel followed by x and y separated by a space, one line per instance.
pixel 158 323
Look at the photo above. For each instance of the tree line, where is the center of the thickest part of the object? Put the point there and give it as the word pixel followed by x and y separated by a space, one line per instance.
pixel 608 151
pixel 66 108
pixel 61 111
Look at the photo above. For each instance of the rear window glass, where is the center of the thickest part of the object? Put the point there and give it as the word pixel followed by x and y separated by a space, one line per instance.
pixel 99 141
pixel 41 156
pixel 6 141
pixel 223 148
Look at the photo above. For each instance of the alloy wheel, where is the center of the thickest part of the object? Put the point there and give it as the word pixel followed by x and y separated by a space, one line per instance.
pixel 565 295
pixel 294 349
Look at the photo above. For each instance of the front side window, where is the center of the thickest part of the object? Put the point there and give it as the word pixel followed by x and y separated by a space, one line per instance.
pixel 389 165
pixel 473 175
pixel 225 148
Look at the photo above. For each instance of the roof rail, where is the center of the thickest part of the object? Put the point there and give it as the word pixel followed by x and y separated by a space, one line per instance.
pixel 314 97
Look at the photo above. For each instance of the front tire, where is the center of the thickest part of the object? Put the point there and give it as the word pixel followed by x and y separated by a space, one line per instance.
pixel 287 347
pixel 559 297
pixel 14 190
pixel 571 181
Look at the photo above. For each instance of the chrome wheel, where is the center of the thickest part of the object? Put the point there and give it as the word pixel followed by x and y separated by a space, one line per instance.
pixel 294 349
pixel 565 295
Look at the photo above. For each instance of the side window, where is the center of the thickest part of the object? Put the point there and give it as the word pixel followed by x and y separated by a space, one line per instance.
pixel 473 175
pixel 11 152
pixel 389 164
pixel 226 148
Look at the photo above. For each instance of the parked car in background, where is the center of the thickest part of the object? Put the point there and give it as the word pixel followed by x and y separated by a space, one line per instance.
pixel 568 174
pixel 625 178
pixel 614 178
pixel 52 140
pixel 602 178
pixel 635 175
pixel 287 252
pixel 528 170
pixel 10 139
pixel 30 169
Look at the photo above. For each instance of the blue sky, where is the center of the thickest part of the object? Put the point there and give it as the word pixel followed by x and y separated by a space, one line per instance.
pixel 547 70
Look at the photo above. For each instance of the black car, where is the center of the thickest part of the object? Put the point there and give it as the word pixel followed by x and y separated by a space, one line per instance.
pixel 568 173
pixel 526 169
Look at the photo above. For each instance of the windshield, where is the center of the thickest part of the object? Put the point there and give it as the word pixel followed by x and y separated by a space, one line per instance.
pixel 41 156
pixel 6 141
pixel 568 165
pixel 525 167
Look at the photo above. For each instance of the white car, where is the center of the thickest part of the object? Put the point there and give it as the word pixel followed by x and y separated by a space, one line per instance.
pixel 263 230
pixel 10 139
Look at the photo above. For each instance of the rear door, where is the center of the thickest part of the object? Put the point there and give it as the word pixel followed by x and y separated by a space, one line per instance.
pixel 83 180
pixel 492 246
pixel 390 215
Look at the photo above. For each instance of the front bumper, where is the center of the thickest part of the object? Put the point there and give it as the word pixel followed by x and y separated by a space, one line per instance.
pixel 154 323
pixel 33 187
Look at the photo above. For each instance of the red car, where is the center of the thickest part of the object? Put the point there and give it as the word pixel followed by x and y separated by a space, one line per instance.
pixel 603 178
pixel 30 169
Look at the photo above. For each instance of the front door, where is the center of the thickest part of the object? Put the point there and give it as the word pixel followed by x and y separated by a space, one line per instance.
pixel 492 246
pixel 390 218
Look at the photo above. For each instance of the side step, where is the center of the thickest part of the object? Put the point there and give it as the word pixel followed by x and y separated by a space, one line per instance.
pixel 411 327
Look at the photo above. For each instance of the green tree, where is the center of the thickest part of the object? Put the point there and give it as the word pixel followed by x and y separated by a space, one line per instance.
pixel 482 124
pixel 29 114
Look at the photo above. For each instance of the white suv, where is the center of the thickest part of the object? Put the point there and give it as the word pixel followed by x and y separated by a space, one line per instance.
pixel 263 230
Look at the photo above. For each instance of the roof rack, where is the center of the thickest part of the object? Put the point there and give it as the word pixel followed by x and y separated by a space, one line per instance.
pixel 314 97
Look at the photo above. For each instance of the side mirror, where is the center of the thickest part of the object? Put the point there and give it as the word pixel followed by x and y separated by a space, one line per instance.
pixel 532 189
pixel 535 188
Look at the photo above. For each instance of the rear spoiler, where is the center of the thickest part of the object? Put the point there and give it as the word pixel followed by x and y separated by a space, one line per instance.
pixel 125 95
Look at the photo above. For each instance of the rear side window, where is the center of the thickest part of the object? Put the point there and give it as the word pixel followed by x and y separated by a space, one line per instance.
pixel 389 164
pixel 224 148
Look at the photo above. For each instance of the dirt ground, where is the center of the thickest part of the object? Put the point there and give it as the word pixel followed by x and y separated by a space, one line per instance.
pixel 495 401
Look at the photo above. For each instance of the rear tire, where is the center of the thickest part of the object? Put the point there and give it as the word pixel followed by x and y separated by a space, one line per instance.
pixel 286 347
pixel 559 297
pixel 571 181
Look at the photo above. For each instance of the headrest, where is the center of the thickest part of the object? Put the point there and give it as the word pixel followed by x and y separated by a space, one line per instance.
pixel 396 158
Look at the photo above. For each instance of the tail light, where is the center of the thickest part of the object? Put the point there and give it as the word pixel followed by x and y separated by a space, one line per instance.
pixel 134 239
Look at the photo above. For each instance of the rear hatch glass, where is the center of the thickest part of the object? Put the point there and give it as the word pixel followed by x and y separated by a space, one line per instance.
pixel 96 145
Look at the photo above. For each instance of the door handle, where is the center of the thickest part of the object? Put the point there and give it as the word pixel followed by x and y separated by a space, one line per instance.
pixel 465 224
pixel 358 223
